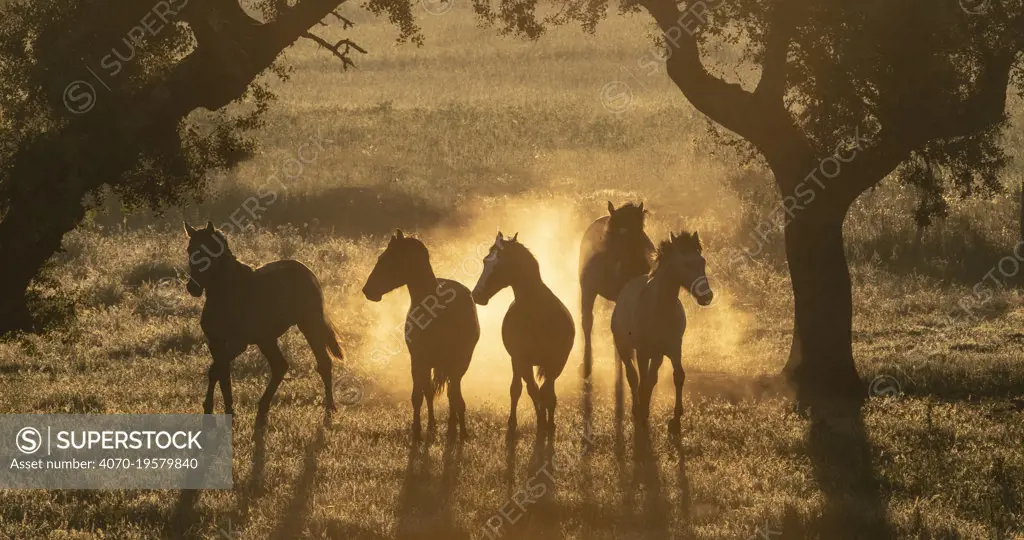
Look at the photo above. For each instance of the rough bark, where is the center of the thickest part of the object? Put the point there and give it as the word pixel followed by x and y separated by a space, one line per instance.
pixel 821 368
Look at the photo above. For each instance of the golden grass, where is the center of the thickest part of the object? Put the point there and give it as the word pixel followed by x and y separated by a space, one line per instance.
pixel 452 141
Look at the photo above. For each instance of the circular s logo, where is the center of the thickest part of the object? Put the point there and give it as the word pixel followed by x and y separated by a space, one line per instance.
pixel 29 440
pixel 79 97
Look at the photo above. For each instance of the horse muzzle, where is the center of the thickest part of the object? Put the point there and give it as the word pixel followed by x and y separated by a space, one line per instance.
pixel 371 296
pixel 702 292
pixel 480 298
pixel 193 288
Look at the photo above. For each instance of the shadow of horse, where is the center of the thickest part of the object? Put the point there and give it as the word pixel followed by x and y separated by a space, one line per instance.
pixel 646 507
pixel 425 504
pixel 531 509
pixel 295 514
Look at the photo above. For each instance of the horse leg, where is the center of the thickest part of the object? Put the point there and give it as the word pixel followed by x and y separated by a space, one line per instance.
pixel 626 358
pixel 278 367
pixel 587 317
pixel 538 402
pixel 587 310
pixel 515 390
pixel 548 394
pixel 214 376
pixel 323 365
pixel 428 392
pixel 456 408
pixel 453 410
pixel 221 370
pixel 678 377
pixel 652 382
pixel 420 385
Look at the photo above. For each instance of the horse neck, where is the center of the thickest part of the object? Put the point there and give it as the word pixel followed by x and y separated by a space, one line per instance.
pixel 422 283
pixel 665 287
pixel 229 274
pixel 527 281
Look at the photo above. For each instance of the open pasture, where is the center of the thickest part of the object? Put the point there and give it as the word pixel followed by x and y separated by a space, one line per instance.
pixel 453 141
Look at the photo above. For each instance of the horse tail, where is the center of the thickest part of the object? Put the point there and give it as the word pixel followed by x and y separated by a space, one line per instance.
pixel 331 339
pixel 440 381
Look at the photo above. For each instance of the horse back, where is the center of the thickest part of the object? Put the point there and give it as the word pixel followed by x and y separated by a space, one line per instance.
pixel 593 241
pixel 541 332
pixel 444 323
pixel 263 303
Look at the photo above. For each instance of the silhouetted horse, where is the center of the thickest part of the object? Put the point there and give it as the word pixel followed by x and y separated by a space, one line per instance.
pixel 441 328
pixel 538 330
pixel 615 249
pixel 246 306
pixel 648 320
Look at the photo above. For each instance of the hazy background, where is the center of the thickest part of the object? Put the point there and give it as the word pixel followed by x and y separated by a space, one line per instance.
pixel 472 134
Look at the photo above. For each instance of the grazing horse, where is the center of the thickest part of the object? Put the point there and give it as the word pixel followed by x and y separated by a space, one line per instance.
pixel 615 249
pixel 538 329
pixel 441 328
pixel 255 306
pixel 648 320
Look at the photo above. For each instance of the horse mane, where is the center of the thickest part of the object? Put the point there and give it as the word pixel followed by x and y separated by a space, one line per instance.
pixel 228 257
pixel 416 247
pixel 519 251
pixel 684 242
pixel 630 209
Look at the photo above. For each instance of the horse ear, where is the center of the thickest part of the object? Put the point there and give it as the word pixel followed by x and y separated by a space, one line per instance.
pixel 189 230
pixel 500 239
pixel 641 208
pixel 671 237
pixel 611 208
pixel 209 226
pixel 399 234
pixel 516 237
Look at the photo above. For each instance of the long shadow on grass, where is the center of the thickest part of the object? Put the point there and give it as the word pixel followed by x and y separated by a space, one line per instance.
pixel 295 516
pixel 530 510
pixel 425 504
pixel 841 458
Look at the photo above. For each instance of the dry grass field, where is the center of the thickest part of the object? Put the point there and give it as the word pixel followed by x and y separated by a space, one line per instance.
pixel 452 141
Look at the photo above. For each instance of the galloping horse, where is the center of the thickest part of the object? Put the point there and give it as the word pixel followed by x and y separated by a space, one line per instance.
pixel 537 331
pixel 246 306
pixel 614 250
pixel 649 320
pixel 441 328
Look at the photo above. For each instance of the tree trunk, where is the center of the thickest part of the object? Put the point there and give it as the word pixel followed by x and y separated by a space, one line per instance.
pixel 1020 214
pixel 36 220
pixel 98 147
pixel 821 368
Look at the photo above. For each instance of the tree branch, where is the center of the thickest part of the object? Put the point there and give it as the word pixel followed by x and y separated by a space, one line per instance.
pixel 336 49
pixel 772 86
pixel 985 108
pixel 758 118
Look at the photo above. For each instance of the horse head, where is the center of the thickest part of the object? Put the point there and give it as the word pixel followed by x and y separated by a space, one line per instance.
pixel 403 256
pixel 207 248
pixel 683 255
pixel 497 273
